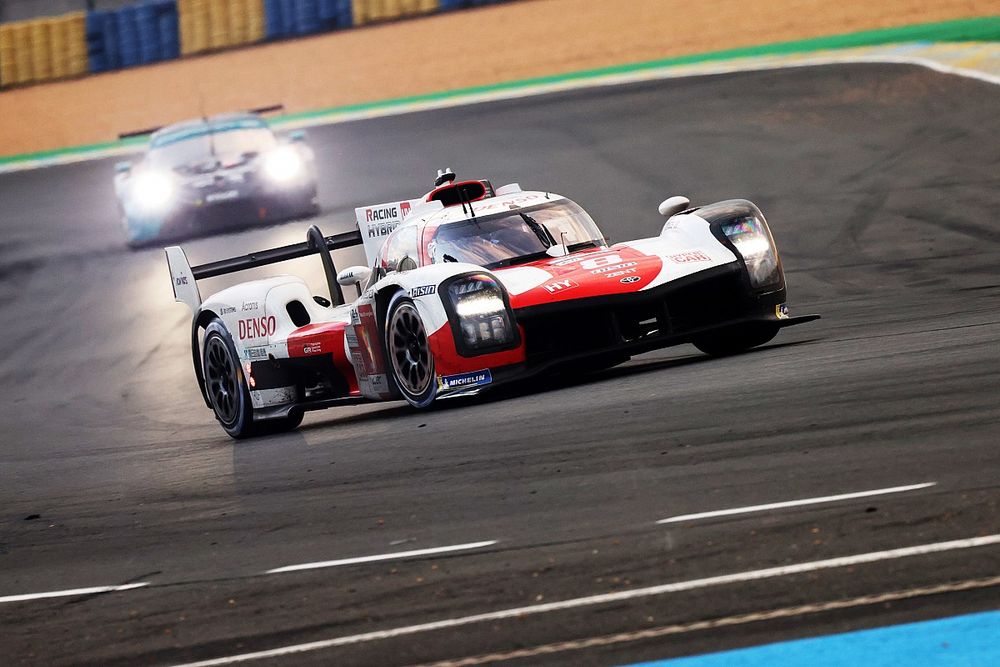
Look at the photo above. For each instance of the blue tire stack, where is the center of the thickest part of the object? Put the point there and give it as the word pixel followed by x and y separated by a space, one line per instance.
pixel 96 56
pixel 128 36
pixel 307 17
pixel 147 30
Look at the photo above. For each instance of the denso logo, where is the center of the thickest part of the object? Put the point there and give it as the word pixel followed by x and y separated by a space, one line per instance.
pixel 379 214
pixel 257 327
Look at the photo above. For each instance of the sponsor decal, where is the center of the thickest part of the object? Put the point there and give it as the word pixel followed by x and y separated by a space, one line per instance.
pixel 257 327
pixel 423 291
pixel 222 196
pixel 630 279
pixel 312 348
pixel 560 286
pixel 226 310
pixel 181 280
pixel 623 272
pixel 382 213
pixel 598 262
pixel 250 305
pixel 614 267
pixel 465 380
pixel 781 311
pixel 256 353
pixel 688 257
pixel 404 209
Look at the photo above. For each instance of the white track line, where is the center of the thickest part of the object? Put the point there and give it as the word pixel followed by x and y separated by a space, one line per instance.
pixel 605 598
pixel 72 591
pixel 795 503
pixel 378 557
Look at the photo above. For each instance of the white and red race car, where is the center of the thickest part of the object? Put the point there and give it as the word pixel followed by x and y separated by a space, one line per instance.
pixel 469 287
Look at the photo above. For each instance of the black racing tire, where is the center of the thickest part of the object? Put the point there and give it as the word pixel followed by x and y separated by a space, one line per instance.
pixel 409 358
pixel 735 339
pixel 227 390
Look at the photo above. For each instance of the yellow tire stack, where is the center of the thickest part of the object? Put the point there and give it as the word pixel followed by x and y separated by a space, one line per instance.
pixel 255 20
pixel 58 51
pixel 218 24
pixel 238 22
pixel 369 11
pixel 22 53
pixel 41 49
pixel 8 64
pixel 193 19
pixel 76 44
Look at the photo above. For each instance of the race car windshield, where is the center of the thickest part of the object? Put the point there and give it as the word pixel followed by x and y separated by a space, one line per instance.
pixel 515 236
pixel 201 146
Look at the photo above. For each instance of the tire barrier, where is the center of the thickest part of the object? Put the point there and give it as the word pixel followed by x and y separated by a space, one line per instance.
pixel 149 31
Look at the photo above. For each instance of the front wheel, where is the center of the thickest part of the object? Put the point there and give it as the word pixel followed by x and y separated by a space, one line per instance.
pixel 735 339
pixel 411 361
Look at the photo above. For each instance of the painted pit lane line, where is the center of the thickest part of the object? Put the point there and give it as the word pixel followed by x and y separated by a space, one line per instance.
pixel 795 503
pixel 605 598
pixel 380 557
pixel 94 590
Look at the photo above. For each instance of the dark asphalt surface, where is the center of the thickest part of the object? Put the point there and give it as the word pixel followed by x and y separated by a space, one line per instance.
pixel 880 184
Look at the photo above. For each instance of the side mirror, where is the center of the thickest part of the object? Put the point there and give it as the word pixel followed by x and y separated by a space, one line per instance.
pixel 123 167
pixel 674 205
pixel 297 135
pixel 354 275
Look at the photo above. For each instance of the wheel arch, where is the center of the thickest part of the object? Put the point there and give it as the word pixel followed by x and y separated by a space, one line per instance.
pixel 201 320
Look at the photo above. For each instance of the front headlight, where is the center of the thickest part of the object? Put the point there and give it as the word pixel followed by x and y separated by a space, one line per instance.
pixel 753 241
pixel 283 164
pixel 483 322
pixel 153 191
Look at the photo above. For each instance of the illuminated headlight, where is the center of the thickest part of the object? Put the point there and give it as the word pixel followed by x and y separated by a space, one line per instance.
pixel 283 164
pixel 753 241
pixel 483 320
pixel 153 190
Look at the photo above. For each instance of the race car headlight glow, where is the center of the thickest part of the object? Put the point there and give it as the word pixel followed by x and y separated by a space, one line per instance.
pixel 753 241
pixel 283 164
pixel 153 190
pixel 483 321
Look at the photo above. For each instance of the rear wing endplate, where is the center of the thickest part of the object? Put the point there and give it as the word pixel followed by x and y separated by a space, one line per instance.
pixel 184 277
pixel 376 221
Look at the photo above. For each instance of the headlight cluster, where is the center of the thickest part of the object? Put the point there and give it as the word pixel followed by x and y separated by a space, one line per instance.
pixel 153 191
pixel 283 164
pixel 478 305
pixel 753 241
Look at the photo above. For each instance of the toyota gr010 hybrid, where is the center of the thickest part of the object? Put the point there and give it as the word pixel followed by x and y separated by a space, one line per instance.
pixel 221 172
pixel 467 288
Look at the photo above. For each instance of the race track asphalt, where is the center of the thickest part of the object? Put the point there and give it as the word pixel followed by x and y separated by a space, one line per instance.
pixel 880 184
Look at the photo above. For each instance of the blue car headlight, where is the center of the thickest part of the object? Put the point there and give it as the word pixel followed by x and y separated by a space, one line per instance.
pixel 753 241
pixel 480 315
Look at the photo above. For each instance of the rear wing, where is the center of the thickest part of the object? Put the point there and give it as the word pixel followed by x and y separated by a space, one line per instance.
pixel 259 111
pixel 184 278
pixel 376 221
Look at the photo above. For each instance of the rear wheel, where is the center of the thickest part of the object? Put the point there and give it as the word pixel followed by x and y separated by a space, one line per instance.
pixel 227 390
pixel 735 339
pixel 411 361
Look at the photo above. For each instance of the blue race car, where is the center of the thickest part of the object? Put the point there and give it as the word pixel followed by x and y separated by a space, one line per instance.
pixel 216 173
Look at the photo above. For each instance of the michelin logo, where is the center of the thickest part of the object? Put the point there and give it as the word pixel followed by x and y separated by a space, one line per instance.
pixel 465 380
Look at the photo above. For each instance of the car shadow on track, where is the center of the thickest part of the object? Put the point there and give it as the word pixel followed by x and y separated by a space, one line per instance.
pixel 540 385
